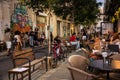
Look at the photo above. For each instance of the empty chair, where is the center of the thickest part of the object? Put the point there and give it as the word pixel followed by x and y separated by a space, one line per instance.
pixel 78 74
pixel 78 61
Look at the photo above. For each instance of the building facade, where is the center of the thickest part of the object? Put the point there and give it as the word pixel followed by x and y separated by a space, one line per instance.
pixel 18 17
pixel 6 9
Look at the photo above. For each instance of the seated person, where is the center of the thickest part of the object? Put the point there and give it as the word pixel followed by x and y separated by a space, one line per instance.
pixel 97 45
pixel 92 56
pixel 95 49
pixel 73 41
pixel 115 39
pixel 57 40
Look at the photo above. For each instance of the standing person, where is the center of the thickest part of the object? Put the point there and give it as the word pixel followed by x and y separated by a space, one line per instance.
pixel 7 39
pixel 88 34
pixel 19 40
pixel 26 39
pixel 51 37
pixel 84 37
pixel 78 36
pixel 31 38
pixel 73 41
pixel 36 36
pixel 57 40
pixel 42 39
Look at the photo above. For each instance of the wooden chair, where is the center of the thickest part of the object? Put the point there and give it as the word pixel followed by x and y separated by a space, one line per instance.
pixel 78 61
pixel 78 74
pixel 17 71
pixel 25 61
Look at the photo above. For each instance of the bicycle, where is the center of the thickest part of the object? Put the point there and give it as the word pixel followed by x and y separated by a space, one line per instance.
pixel 58 54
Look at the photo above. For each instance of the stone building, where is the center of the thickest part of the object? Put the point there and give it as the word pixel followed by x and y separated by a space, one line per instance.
pixel 6 9
pixel 58 26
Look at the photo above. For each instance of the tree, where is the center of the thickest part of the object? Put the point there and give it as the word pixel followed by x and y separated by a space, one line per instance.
pixel 39 5
pixel 81 11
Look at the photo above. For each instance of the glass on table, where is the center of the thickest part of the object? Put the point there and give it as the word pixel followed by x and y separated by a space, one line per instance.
pixel 104 55
pixel 110 60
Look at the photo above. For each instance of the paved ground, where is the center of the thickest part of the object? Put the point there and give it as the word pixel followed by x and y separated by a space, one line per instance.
pixel 59 73
pixel 6 61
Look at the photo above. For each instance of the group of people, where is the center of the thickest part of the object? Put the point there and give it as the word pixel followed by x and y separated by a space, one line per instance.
pixel 35 38
pixel 96 43
pixel 101 44
pixel 16 40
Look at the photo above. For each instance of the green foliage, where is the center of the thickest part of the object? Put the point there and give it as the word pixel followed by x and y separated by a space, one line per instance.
pixel 40 5
pixel 80 11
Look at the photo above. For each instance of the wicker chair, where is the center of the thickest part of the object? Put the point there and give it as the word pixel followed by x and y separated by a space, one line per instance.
pixel 78 67
pixel 78 61
pixel 78 74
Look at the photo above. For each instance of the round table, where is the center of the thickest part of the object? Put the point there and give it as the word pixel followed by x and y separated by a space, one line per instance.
pixel 104 66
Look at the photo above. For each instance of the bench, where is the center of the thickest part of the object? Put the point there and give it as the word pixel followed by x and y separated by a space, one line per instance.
pixel 26 59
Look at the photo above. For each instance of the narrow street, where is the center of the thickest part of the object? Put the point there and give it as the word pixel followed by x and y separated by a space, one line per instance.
pixel 6 61
pixel 42 35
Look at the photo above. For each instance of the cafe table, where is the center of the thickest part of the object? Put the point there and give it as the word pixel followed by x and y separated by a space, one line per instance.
pixel 114 65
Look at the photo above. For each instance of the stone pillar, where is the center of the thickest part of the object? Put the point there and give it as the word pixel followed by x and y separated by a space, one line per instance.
pixel 5 17
pixel 12 7
pixel 6 14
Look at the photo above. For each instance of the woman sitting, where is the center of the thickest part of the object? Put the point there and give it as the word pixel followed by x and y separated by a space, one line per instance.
pixel 93 55
pixel 73 41
pixel 115 39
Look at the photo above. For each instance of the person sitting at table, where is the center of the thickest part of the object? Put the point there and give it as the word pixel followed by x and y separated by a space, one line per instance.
pixel 91 55
pixel 113 37
pixel 95 49
pixel 116 40
pixel 97 45
pixel 73 41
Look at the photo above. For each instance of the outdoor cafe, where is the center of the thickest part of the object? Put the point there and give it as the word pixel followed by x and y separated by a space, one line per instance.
pixel 105 67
